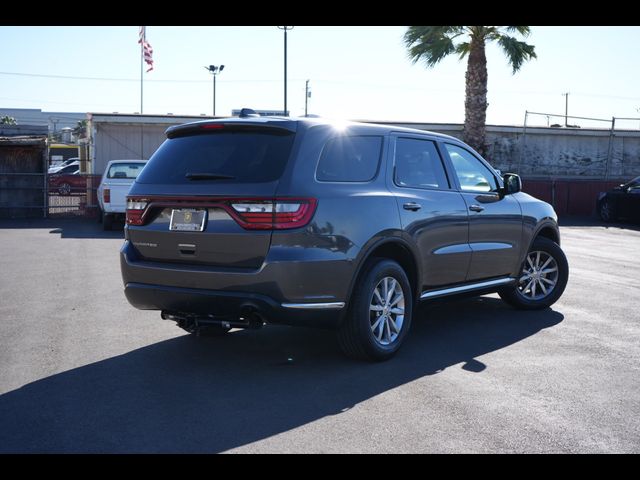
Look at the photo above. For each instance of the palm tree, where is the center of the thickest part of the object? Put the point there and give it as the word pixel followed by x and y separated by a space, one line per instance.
pixel 7 120
pixel 432 44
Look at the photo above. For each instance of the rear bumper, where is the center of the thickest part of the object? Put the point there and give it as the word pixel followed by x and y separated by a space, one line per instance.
pixel 232 305
pixel 309 293
pixel 114 209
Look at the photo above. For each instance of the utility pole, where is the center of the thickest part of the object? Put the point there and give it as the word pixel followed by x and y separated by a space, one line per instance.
pixel 307 95
pixel 285 28
pixel 566 108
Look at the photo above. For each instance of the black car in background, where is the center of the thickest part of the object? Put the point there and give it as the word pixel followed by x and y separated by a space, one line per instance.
pixel 623 202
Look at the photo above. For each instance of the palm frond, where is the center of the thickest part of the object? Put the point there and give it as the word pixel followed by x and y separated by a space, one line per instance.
pixel 516 51
pixel 462 49
pixel 524 31
pixel 486 32
pixel 431 43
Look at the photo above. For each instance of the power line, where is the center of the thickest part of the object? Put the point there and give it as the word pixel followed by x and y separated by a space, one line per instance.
pixel 35 100
pixel 605 96
pixel 111 79
pixel 335 82
pixel 110 106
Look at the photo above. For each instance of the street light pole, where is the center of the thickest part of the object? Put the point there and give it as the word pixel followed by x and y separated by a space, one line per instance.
pixel 214 70
pixel 566 108
pixel 285 28
pixel 307 94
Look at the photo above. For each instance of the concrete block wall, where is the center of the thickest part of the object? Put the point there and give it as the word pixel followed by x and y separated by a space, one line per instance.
pixel 556 152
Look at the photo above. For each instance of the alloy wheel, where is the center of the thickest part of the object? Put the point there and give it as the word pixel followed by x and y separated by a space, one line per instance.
pixel 65 189
pixel 386 311
pixel 539 276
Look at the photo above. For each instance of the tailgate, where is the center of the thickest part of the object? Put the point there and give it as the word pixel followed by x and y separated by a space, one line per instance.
pixel 119 190
pixel 223 242
pixel 196 177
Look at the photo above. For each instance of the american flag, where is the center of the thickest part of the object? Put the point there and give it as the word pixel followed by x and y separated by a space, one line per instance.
pixel 146 47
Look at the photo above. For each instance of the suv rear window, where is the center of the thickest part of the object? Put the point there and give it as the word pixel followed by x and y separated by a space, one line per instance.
pixel 248 157
pixel 349 159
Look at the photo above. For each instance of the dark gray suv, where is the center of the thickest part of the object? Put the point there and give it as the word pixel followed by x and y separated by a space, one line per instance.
pixel 246 221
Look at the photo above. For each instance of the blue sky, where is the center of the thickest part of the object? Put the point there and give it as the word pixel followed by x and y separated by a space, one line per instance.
pixel 354 72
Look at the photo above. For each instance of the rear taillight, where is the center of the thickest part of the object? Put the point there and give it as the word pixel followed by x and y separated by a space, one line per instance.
pixel 250 213
pixel 135 210
pixel 279 213
pixel 106 195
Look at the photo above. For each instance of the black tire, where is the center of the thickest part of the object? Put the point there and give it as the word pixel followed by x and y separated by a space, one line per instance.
pixel 513 295
pixel 606 211
pixel 355 335
pixel 107 221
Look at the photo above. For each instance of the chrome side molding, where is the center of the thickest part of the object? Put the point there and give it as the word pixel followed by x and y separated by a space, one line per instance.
pixel 465 288
pixel 315 306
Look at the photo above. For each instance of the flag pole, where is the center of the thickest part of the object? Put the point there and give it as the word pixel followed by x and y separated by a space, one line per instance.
pixel 142 40
pixel 141 66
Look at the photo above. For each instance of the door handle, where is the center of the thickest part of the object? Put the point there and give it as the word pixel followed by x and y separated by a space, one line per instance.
pixel 476 208
pixel 412 206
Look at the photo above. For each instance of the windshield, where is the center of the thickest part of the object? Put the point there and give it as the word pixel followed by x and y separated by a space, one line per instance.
pixel 69 169
pixel 634 183
pixel 125 170
pixel 241 157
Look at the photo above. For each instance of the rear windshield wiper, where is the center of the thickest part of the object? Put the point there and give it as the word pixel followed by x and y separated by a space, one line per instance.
pixel 209 176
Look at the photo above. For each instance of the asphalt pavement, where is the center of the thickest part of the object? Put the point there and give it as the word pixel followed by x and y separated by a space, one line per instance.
pixel 83 371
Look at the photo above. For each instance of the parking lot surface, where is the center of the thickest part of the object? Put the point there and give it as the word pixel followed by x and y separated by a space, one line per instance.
pixel 83 371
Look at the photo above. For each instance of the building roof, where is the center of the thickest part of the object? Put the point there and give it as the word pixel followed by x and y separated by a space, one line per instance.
pixel 21 140
pixel 21 130
pixel 35 116
pixel 135 118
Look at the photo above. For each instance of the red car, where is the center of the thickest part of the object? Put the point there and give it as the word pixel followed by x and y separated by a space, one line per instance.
pixel 68 180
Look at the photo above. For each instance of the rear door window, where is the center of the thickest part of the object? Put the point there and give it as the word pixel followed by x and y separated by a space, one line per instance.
pixel 418 165
pixel 245 157
pixel 350 159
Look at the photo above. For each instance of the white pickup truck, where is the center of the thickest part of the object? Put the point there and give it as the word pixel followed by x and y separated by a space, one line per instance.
pixel 114 187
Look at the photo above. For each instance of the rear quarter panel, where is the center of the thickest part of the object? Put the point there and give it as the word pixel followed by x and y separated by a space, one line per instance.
pixel 348 215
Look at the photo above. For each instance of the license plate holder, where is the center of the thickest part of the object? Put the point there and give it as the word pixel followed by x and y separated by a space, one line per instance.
pixel 188 219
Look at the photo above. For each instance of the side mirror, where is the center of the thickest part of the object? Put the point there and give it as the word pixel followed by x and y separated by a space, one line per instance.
pixel 512 183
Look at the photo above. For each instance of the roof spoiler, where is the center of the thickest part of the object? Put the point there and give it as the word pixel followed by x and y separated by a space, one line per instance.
pixel 209 127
